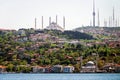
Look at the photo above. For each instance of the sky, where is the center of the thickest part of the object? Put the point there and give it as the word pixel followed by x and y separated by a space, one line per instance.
pixel 15 14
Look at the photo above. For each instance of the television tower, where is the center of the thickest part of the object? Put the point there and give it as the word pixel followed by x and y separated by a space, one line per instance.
pixel 93 13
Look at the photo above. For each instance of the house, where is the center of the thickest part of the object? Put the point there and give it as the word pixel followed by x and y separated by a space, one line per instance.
pixel 38 69
pixel 68 69
pixel 89 67
pixel 47 69
pixel 2 69
pixel 117 68
pixel 57 68
pixel 109 67
pixel 21 32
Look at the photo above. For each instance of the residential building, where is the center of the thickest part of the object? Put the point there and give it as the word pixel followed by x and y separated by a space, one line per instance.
pixel 57 68
pixel 117 68
pixel 68 69
pixel 89 67
pixel 2 69
pixel 109 67
pixel 38 69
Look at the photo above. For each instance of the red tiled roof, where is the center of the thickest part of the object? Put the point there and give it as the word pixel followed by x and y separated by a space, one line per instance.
pixel 2 66
pixel 117 65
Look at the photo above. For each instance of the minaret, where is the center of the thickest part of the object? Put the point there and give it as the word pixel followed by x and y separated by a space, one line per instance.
pixel 109 22
pixel 90 23
pixel 64 22
pixel 98 19
pixel 118 22
pixel 113 17
pixel 42 22
pixel 93 13
pixel 56 19
pixel 49 20
pixel 105 23
pixel 35 23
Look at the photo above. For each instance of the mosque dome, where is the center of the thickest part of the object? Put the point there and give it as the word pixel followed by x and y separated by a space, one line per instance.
pixel 54 26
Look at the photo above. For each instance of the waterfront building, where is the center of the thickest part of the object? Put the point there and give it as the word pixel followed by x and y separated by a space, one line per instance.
pixel 38 69
pixel 89 67
pixel 57 68
pixel 109 67
pixel 68 69
pixel 117 68
pixel 2 69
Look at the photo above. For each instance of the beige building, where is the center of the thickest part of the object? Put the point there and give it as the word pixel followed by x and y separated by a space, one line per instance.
pixel 89 67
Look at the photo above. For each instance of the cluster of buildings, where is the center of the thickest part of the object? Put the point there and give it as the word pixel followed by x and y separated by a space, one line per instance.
pixel 89 67
pixel 53 69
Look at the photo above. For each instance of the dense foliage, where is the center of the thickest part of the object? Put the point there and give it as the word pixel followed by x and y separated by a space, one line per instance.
pixel 21 56
pixel 70 34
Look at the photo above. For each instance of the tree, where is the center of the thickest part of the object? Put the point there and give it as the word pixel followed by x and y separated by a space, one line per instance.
pixel 10 67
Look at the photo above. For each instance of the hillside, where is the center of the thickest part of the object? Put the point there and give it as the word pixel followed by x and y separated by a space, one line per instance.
pixel 69 34
pixel 101 32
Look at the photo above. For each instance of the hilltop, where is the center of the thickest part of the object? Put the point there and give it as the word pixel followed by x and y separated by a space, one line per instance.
pixel 101 32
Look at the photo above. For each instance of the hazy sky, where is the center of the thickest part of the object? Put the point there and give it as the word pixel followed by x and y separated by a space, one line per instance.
pixel 15 14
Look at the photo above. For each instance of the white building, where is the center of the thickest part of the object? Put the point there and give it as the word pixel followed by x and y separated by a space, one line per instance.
pixel 90 67
pixel 68 69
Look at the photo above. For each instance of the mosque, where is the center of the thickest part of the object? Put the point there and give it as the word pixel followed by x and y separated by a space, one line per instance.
pixel 55 26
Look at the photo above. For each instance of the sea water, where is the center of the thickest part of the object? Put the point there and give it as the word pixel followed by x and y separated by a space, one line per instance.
pixel 60 76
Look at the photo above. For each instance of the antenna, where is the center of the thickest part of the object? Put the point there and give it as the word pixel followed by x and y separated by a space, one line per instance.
pixel 93 13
